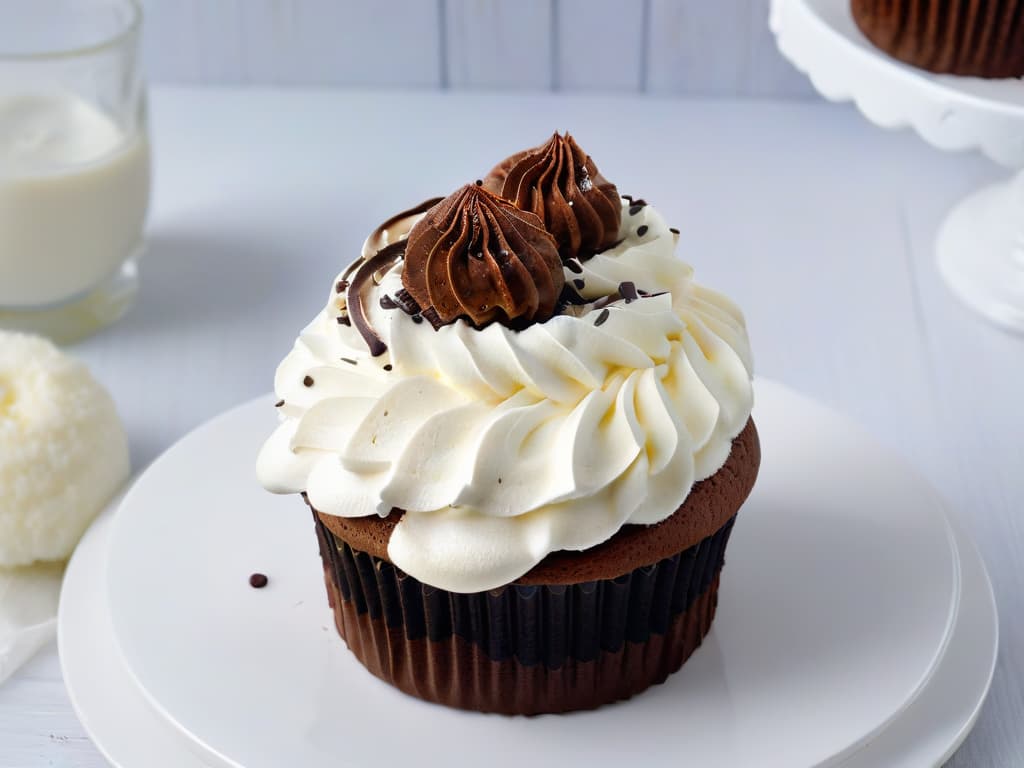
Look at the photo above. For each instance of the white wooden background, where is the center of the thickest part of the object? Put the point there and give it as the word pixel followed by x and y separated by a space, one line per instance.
pixel 719 48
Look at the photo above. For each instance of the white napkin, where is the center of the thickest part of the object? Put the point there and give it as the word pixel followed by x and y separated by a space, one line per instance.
pixel 28 612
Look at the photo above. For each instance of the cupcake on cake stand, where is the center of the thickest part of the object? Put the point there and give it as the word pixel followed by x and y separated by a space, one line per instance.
pixel 980 245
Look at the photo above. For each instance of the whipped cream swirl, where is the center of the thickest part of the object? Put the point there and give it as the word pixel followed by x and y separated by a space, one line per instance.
pixel 500 446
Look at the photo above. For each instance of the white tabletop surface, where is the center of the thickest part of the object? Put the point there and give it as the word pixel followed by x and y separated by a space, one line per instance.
pixel 818 224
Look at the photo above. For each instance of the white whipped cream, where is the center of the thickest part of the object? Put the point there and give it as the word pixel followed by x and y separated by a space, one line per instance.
pixel 502 446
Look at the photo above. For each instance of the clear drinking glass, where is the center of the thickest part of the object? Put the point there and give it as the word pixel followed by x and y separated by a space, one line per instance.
pixel 74 164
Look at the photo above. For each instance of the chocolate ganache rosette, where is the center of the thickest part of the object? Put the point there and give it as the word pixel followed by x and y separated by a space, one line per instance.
pixel 560 183
pixel 476 255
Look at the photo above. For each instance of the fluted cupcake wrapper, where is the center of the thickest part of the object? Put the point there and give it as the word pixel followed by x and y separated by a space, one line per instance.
pixel 524 649
pixel 984 38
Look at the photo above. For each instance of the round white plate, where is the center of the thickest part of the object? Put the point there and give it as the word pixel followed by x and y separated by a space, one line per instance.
pixel 111 708
pixel 841 585
pixel 130 734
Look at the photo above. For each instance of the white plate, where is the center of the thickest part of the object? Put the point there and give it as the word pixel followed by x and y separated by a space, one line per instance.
pixel 111 708
pixel 130 734
pixel 841 586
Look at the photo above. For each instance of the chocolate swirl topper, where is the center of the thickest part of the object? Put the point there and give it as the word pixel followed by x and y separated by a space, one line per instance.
pixel 560 183
pixel 476 255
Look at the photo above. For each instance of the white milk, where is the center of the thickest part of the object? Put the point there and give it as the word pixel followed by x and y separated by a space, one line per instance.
pixel 73 198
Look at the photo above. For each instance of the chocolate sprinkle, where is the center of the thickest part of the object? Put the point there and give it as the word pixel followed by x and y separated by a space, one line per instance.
pixel 479 182
pixel 431 316
pixel 349 360
pixel 258 581
pixel 673 230
pixel 308 381
pixel 569 297
pixel 641 230
pixel 407 302
pixel 417 318
pixel 579 283
pixel 279 403
pixel 574 266
pixel 602 317
pixel 386 302
pixel 387 366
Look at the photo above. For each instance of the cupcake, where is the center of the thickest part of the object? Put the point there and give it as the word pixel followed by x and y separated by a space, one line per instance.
pixel 960 37
pixel 524 434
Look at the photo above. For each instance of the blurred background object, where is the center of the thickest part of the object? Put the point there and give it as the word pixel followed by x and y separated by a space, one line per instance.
pixel 74 164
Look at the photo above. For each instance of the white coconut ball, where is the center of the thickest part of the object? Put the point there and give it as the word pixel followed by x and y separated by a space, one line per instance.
pixel 63 450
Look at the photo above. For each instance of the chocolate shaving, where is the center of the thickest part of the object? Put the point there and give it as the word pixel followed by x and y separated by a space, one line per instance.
pixel 627 290
pixel 574 266
pixel 373 242
pixel 361 281
pixel 343 320
pixel 349 360
pixel 386 302
pixel 579 283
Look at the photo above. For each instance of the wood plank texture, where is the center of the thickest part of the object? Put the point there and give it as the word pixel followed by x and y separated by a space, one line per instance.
pixel 599 45
pixel 499 45
pixel 675 47
pixel 717 49
pixel 293 42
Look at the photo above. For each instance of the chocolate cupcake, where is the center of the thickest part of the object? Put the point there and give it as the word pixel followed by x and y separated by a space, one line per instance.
pixel 981 38
pixel 523 466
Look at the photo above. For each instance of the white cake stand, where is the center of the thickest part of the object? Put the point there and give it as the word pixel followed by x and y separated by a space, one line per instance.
pixel 981 243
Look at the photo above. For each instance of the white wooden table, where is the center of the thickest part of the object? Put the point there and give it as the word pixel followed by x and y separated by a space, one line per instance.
pixel 819 225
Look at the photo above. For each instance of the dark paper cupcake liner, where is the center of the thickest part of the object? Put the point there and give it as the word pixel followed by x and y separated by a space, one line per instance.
pixel 524 649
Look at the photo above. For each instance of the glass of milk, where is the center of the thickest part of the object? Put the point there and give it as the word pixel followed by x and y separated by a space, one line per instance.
pixel 74 164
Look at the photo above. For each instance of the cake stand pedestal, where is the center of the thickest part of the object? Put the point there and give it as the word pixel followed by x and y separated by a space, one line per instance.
pixel 980 245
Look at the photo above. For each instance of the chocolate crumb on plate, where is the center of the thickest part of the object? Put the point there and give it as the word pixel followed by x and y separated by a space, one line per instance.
pixel 258 581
